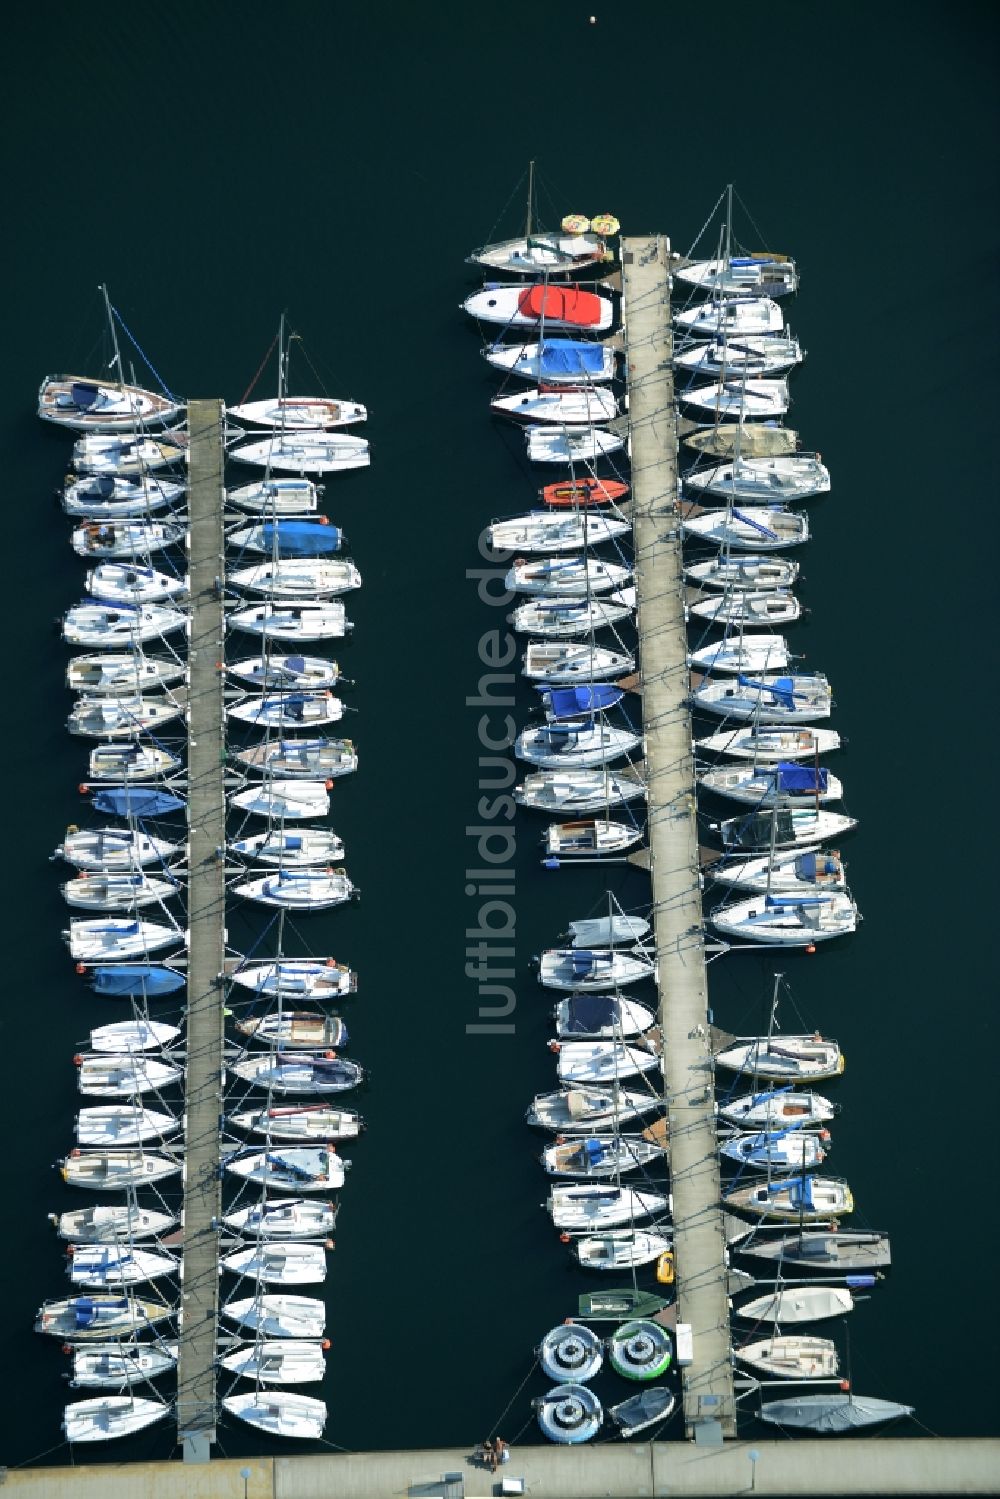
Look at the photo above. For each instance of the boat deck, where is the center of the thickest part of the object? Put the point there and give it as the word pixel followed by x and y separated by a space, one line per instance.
pixel 206 922
pixel 699 1241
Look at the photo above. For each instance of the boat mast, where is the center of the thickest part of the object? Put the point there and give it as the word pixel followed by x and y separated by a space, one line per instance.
pixel 531 194
pixel 116 362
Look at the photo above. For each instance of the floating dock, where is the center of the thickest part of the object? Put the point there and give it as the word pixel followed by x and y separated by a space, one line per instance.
pixel 199 1319
pixel 699 1240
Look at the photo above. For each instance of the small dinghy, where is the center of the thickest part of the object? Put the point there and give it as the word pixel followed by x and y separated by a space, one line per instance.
pixel 756 399
pixel 124 583
pixel 319 758
pixel 274 670
pixel 294 1028
pixel 620 1251
pixel 581 790
pixel 299 1219
pixel 279 1264
pixel 767 699
pixel 314 413
pixel 590 838
pixel 109 1416
pixel 769 746
pixel 792 1357
pixel 596 1157
pixel 85 405
pixel 749 439
pixel 556 617
pixel 788 920
pixel 281 1361
pixel 570 1354
pixel 574 493
pixel 111 675
pixel 832 1413
pixel 748 610
pixel 284 799
pixel 584 1110
pixel 579 1209
pixel 279 1413
pixel 806 1198
pixel 603 1061
pixel 601 1017
pixel 108 1225
pixel 132 539
pixel 749 528
pixel 289 538
pixel 540 306
pixel 303 1168
pixel 133 1035
pixel 568 662
pixel 619 1304
pixel 298 578
pixel 123 1124
pixel 298 889
pixel 764 481
pixel 565 575
pixel 595 743
pixel 109 1366
pixel 118 937
pixel 97 1318
pixel 308 1122
pixel 113 850
pixel 291 850
pixel 732 357
pixel 569 1414
pixel 305 1073
pixel 276 497
pixel 791 1149
pixel 584 445
pixel 305 452
pixel 119 1077
pixel 554 361
pixel 554 531
pixel 568 406
pixel 106 498
pixel 592 968
pixel 798 1304
pixel 640 1350
pixel 298 978
pixel 742 653
pixel 783 827
pixel 124 717
pixel 780 785
pixel 758 274
pixel 130 762
pixel 114 1265
pixel 837 1252
pixel 746 572
pixel 780 1108
pixel 648 1408
pixel 288 710
pixel 728 315
pixel 783 1058
pixel 279 1316
pixel 128 457
pixel 102 624
pixel 116 1170
pixel 327 621
pixel 125 891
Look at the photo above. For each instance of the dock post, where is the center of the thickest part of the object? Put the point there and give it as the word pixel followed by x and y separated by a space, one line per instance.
pixel 699 1242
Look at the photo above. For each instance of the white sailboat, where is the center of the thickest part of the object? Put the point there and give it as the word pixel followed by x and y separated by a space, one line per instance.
pixel 109 1366
pixel 768 746
pixel 276 496
pixel 279 1361
pixel 574 791
pixel 116 937
pixel 554 361
pixel 754 399
pixel 744 572
pixel 597 1062
pixel 298 1168
pixel 571 445
pixel 297 978
pixel 100 625
pixel 290 621
pixel 279 1264
pixel 554 531
pixel 109 1416
pixel 555 745
pixel 284 799
pixel 293 1219
pixel 560 663
pixel 801 872
pixel 114 674
pixel 760 527
pixel 279 1316
pixel 298 889
pixel 304 1123
pixel 558 617
pixel 120 1124
pixel 788 920
pixel 124 717
pixel 593 969
pixel 782 480
pixel 731 316
pixel 584 1110
pixel 754 354
pixel 279 1413
pixel 298 578
pixel 111 849
pixel 111 498
pixel 288 710
pixel 581 1209
pixel 577 245
pixel 769 698
pixel 785 783
pixel 133 539
pixel 567 406
pixel 304 452
pixel 738 653
pixel 622 1250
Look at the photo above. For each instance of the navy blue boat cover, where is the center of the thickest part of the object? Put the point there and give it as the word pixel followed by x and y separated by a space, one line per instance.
pixel 567 702
pixel 587 1013
pixel 139 801
pixel 789 777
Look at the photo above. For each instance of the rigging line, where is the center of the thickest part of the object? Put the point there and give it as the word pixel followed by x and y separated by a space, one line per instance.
pixel 516 1393
pixel 135 344
pixel 246 394
pixel 753 225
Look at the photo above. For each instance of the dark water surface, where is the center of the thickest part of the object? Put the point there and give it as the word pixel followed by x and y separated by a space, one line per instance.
pixel 215 165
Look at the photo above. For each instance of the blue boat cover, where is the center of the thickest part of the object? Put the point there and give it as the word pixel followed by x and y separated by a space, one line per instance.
pixel 779 902
pixel 567 356
pixel 755 525
pixel 295 663
pixel 138 801
pixel 587 1013
pixel 582 962
pixel 83 396
pixel 136 978
pixel 595 1151
pixel 789 777
pixel 567 702
pixel 302 538
pixel 782 688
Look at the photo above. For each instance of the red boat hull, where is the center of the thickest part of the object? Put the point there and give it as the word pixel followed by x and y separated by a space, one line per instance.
pixel 584 492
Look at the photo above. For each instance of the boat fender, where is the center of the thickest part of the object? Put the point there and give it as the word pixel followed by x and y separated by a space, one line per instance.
pixel 78 1060
pixel 555 1047
pixel 73 828
pixel 76 1151
pixel 329 1053
pixel 70 1251
pixel 83 788
pixel 328 785
pixel 81 967
pixel 67 1348
pixel 811 947
pixel 845 1385
pixel 326 1345
pixel 565 1238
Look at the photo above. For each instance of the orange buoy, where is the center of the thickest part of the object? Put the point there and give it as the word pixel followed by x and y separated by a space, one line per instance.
pixel 555 1047
pixel 67 1348
pixel 845 1385
pixel 564 1238
pixel 328 785
pixel 83 788
pixel 76 1151
pixel 811 947
pixel 324 520
pixel 78 1060
pixel 325 1344
pixel 81 967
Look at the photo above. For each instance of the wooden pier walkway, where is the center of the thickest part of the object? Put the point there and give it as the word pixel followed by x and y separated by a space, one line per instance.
pixel 699 1244
pixel 206 923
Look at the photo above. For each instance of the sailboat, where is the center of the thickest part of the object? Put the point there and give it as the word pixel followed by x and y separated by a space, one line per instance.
pixel 295 413
pixel 109 1416
pixel 832 1413
pixel 554 361
pixel 580 244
